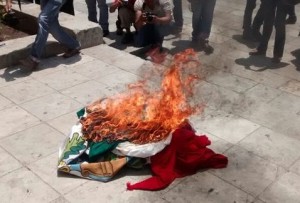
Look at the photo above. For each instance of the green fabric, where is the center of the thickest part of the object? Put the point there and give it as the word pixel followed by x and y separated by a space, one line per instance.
pixel 80 113
pixel 97 149
pixel 136 163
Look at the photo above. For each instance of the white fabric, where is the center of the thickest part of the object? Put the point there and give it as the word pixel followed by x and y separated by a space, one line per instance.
pixel 161 6
pixel 142 151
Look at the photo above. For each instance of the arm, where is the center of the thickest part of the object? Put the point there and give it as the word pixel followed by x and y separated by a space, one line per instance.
pixel 115 5
pixel 8 5
pixel 163 20
pixel 139 21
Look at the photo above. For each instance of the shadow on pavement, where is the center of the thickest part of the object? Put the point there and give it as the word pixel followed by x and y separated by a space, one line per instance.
pixel 249 44
pixel 180 45
pixel 296 61
pixel 259 64
pixel 11 74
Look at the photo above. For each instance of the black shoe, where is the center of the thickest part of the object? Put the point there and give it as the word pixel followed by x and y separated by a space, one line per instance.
pixel 119 31
pixel 291 20
pixel 257 53
pixel 128 38
pixel 276 59
pixel 204 44
pixel 105 33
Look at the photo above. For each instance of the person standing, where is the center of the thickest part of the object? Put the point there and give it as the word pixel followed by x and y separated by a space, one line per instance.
pixel 103 16
pixel 126 17
pixel 275 12
pixel 251 30
pixel 177 14
pixel 203 11
pixel 48 23
pixel 292 19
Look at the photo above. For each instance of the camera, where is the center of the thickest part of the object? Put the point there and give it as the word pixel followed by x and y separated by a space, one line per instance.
pixel 149 16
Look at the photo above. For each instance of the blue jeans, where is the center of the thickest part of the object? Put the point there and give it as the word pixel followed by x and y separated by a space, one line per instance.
pixel 48 23
pixel 203 12
pixel 92 12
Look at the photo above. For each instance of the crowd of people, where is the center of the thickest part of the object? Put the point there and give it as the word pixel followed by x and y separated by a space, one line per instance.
pixel 154 19
pixel 270 13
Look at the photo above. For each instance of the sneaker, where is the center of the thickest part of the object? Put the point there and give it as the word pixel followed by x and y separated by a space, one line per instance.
pixel 257 53
pixel 291 20
pixel 105 33
pixel 28 65
pixel 71 52
pixel 128 38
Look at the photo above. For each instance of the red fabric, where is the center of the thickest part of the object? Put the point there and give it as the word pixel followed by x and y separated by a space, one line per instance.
pixel 186 154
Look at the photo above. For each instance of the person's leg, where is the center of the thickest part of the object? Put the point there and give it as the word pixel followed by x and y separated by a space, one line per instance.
pixel 118 25
pixel 269 8
pixel 292 19
pixel 47 17
pixel 68 7
pixel 62 37
pixel 103 18
pixel 206 19
pixel 49 13
pixel 247 21
pixel 281 14
pixel 145 36
pixel 258 22
pixel 126 17
pixel 92 10
pixel 177 13
pixel 196 6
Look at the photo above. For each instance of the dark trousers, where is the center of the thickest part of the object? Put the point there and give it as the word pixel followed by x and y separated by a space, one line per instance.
pixel 291 10
pixel 149 34
pixel 274 14
pixel 248 25
pixel 177 13
pixel 247 22
pixel 258 19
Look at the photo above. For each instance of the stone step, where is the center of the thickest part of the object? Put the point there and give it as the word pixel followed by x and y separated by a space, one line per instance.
pixel 89 34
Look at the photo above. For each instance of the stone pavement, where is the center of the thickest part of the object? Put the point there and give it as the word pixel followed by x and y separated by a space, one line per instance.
pixel 252 116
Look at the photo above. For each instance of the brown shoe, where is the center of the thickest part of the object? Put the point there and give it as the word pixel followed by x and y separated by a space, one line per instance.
pixel 28 65
pixel 71 52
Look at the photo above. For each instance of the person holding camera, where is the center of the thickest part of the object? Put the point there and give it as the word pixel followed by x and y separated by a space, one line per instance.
pixel 152 20
pixel 126 16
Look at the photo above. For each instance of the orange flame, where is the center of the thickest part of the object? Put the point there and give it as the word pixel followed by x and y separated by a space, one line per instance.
pixel 143 116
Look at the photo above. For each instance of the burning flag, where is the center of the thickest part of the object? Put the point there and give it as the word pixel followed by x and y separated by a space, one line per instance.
pixel 141 115
pixel 142 122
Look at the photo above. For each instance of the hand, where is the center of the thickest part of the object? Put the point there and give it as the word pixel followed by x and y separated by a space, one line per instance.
pixel 118 3
pixel 8 5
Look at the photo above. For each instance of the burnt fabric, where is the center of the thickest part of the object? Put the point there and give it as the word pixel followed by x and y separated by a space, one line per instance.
pixel 186 154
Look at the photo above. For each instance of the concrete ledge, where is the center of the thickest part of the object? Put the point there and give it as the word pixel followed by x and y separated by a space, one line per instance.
pixel 87 33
